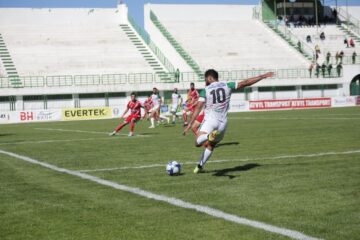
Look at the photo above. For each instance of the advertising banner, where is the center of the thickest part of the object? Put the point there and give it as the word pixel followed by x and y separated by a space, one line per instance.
pixel 239 106
pixel 343 101
pixel 34 116
pixel 290 104
pixel 86 113
pixel 4 117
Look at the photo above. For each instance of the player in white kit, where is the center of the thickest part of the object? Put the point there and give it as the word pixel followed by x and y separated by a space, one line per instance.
pixel 155 111
pixel 215 98
pixel 176 101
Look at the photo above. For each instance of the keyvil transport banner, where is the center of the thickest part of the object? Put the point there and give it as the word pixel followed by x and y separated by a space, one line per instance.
pixel 290 103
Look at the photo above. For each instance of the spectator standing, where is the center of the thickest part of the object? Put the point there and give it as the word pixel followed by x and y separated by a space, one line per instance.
pixel 341 55
pixel 299 46
pixel 351 42
pixel 308 39
pixel 346 42
pixel 317 70
pixel 329 68
pixel 177 75
pixel 322 36
pixel 337 57
pixel 339 69
pixel 354 57
pixel 311 67
pixel 317 48
pixel 323 69
pixel 328 56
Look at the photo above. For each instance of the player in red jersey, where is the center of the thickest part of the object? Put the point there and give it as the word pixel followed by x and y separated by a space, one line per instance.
pixel 148 105
pixel 193 96
pixel 198 122
pixel 135 114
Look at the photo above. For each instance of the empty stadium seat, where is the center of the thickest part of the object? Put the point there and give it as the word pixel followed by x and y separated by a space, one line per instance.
pixel 222 43
pixel 69 41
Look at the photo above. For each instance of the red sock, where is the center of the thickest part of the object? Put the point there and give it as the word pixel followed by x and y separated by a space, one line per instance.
pixel 120 127
pixel 132 126
pixel 185 116
pixel 195 131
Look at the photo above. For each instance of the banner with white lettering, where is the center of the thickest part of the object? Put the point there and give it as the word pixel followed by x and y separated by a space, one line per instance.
pixel 290 104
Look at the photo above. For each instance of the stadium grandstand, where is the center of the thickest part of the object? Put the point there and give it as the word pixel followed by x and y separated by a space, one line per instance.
pixel 55 58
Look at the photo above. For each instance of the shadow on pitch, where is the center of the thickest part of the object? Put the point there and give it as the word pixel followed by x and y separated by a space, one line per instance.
pixel 228 172
pixel 149 134
pixel 6 134
pixel 227 144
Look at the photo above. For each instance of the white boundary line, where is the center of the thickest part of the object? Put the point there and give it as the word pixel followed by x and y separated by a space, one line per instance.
pixel 229 160
pixel 291 118
pixel 83 131
pixel 55 141
pixel 172 201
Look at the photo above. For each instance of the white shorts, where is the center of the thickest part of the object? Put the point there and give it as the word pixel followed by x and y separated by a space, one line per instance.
pixel 210 125
pixel 174 108
pixel 155 108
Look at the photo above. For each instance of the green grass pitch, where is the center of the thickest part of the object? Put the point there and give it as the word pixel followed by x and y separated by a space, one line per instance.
pixel 318 195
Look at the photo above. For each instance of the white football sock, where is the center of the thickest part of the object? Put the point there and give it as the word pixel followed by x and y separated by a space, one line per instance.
pixel 205 156
pixel 152 122
pixel 201 139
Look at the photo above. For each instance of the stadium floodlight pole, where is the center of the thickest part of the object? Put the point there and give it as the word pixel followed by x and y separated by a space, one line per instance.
pixel 347 14
pixel 284 12
pixel 316 17
pixel 337 12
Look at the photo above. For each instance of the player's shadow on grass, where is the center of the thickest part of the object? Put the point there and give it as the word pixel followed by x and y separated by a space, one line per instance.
pixel 226 172
pixel 6 134
pixel 227 144
pixel 149 134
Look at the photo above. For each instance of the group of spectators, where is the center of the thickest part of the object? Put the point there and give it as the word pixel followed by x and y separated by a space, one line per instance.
pixel 302 21
pixel 349 42
pixel 325 69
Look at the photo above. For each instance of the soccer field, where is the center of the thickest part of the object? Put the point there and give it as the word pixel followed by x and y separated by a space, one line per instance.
pixel 294 170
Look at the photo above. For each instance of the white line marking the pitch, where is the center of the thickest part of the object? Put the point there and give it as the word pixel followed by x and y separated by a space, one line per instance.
pixel 83 131
pixel 55 141
pixel 172 201
pixel 287 118
pixel 229 160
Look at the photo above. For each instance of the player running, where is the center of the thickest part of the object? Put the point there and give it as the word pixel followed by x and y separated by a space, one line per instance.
pixel 176 101
pixel 155 110
pixel 193 96
pixel 148 105
pixel 135 114
pixel 216 98
pixel 198 121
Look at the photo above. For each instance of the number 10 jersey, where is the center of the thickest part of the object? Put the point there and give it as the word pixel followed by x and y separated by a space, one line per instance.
pixel 217 100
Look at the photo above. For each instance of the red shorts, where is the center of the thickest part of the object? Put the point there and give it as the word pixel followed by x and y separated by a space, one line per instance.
pixel 132 117
pixel 190 107
pixel 200 118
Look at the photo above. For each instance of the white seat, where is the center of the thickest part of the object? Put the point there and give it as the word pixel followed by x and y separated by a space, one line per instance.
pixel 69 41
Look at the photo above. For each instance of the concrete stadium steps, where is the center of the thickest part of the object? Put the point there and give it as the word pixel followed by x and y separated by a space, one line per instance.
pixel 188 59
pixel 9 65
pixel 147 54
pixel 289 41
pixel 348 32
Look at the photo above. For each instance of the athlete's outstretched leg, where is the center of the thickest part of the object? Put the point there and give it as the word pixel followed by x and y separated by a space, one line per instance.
pixel 185 117
pixel 132 127
pixel 118 128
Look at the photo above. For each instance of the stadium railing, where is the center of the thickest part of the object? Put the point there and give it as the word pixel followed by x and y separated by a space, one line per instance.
pixel 348 20
pixel 183 53
pixel 138 78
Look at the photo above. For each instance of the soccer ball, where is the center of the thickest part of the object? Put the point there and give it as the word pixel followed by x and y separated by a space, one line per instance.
pixel 173 168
